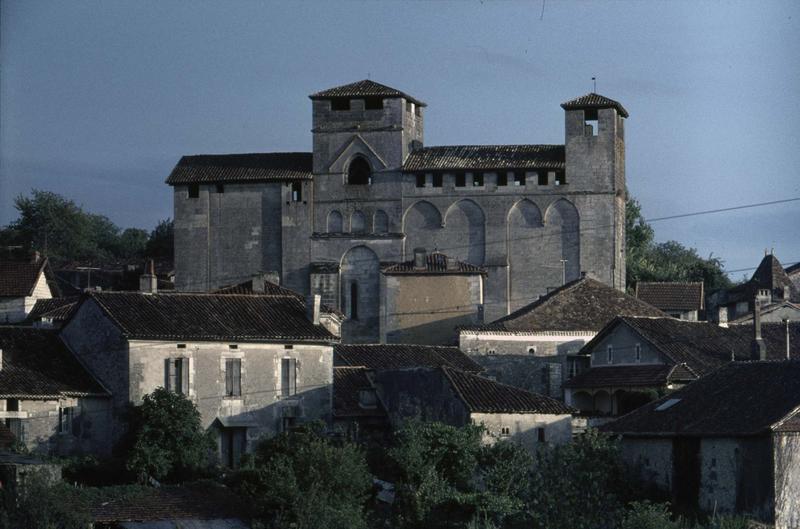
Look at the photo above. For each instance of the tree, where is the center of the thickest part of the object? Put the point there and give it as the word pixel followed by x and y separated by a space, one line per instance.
pixel 161 243
pixel 132 243
pixel 43 504
pixel 168 438
pixel 301 479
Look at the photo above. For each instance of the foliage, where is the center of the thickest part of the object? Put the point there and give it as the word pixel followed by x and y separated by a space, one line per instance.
pixel 667 261
pixel 42 504
pixel 729 522
pixel 89 471
pixel 160 244
pixel 578 485
pixel 448 478
pixel 647 515
pixel 168 438
pixel 302 479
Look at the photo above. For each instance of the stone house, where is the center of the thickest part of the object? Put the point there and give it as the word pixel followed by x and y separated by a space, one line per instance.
pixel 794 274
pixel 48 400
pixel 727 443
pixel 370 192
pixel 681 300
pixel 426 299
pixel 253 364
pixel 23 281
pixel 534 347
pixel 634 360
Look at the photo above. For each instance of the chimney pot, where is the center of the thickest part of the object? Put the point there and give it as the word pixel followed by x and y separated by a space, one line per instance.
pixel 313 304
pixel 420 259
pixel 148 281
pixel 759 348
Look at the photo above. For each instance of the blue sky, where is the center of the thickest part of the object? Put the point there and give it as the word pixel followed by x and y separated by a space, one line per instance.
pixel 98 100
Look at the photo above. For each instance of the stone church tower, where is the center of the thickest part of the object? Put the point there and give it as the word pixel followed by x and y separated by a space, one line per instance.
pixel 529 216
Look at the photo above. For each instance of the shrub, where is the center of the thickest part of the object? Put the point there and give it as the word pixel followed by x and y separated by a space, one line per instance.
pixel 647 515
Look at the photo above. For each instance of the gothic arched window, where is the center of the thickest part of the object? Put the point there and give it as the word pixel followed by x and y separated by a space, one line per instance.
pixel 359 172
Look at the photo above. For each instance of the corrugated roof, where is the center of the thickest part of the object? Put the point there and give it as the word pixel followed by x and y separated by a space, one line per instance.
pixel 592 100
pixel 252 167
pixel 365 88
pixel 435 263
pixel 671 295
pixel 485 157
pixel 401 356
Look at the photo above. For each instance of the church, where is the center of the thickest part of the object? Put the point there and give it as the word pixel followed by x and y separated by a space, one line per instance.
pixel 408 241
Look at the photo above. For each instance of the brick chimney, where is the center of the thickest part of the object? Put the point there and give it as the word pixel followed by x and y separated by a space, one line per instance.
pixel 759 348
pixel 313 304
pixel 148 282
pixel 420 259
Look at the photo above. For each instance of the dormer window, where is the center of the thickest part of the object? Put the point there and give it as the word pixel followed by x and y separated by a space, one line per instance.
pixel 359 172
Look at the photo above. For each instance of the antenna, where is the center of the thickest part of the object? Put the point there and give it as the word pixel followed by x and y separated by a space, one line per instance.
pixel 594 84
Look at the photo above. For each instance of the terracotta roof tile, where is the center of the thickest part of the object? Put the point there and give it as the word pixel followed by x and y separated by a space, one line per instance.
pixel 435 263
pixel 365 88
pixel 592 100
pixel 18 277
pixel 253 167
pixel 485 157
pixel 56 309
pixel 671 295
pixel 401 356
pixel 653 375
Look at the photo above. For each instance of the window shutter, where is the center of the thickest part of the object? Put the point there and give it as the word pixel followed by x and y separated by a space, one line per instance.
pixel 288 377
pixel 237 377
pixel 169 374
pixel 229 377
pixel 184 373
pixel 292 376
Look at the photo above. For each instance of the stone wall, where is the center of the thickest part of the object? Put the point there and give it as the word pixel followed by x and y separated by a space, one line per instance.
pixel 526 429
pixel 786 448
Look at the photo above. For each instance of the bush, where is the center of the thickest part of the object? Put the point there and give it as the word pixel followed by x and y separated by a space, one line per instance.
pixel 647 515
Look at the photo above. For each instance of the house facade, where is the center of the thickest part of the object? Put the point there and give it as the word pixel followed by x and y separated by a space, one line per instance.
pixel 23 281
pixel 370 192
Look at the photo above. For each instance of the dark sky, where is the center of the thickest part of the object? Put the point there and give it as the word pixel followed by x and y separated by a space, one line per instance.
pixel 98 100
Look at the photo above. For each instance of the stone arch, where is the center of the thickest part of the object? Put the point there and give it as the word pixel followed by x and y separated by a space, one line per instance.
pixel 359 171
pixel 335 223
pixel 358 222
pixel 562 240
pixel 360 284
pixel 380 222
pixel 422 226
pixel 524 250
pixel 465 232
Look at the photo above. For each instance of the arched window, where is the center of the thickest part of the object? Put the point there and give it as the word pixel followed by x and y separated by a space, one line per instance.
pixel 359 172
pixel 354 300
pixel 380 223
pixel 334 222
pixel 358 223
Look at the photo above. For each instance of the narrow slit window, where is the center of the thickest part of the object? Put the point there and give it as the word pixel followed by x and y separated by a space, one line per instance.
pixel 354 300
pixel 437 179
pixel 461 179
pixel 610 354
pixel 560 178
pixel 194 190
pixel 638 352
pixel 288 377
pixel 502 178
pixel 542 178
pixel 220 188
pixel 297 191
pixel 420 179
pixel 477 179
pixel 590 122
pixel 519 178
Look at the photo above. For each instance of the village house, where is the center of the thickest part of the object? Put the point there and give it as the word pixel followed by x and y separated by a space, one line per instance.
pixel 534 347
pixel 23 281
pixel 727 443
pixel 252 364
pixel 385 385
pixel 682 300
pixel 794 275
pixel 635 360
pixel 51 313
pixel 48 401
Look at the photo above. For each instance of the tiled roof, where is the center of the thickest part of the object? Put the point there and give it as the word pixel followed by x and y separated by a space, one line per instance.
pixel 435 263
pixel 482 395
pixel 173 503
pixel 793 269
pixel 767 309
pixel 365 88
pixel 18 277
pixel 401 356
pixel 581 305
pixel 653 375
pixel 37 365
pixel 56 309
pixel 253 167
pixel 246 287
pixel 485 157
pixel 769 275
pixel 671 296
pixel 347 383
pixel 592 100
pixel 209 317
pixel 742 398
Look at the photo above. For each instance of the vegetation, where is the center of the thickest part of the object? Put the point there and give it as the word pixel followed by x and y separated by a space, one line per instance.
pixel 667 261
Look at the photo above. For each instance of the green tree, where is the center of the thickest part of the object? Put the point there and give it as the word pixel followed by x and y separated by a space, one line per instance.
pixel 132 243
pixel 168 438
pixel 301 479
pixel 160 245
pixel 43 504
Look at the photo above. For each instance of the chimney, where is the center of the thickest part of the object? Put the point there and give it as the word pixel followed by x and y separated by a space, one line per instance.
pixel 313 303
pixel 785 322
pixel 722 317
pixel 148 282
pixel 759 348
pixel 420 259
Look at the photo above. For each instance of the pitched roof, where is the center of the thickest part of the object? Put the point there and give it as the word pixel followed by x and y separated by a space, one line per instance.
pixel 435 263
pixel 37 365
pixel 581 305
pixel 671 295
pixel 485 157
pixel 246 287
pixel 365 88
pixel 56 309
pixel 653 375
pixel 742 398
pixel 482 395
pixel 592 100
pixel 401 356
pixel 347 384
pixel 793 269
pixel 18 277
pixel 209 317
pixel 252 167
pixel 767 309
pixel 769 275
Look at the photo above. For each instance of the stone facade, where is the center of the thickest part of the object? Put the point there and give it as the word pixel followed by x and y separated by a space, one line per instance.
pixel 16 309
pixel 532 228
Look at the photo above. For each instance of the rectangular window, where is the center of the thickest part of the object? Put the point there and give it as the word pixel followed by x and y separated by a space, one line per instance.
pixel 638 352
pixel 420 179
pixel 502 178
pixel 65 417
pixel 219 188
pixel 177 375
pixel 194 190
pixel 373 103
pixel 233 377
pixel 461 180
pixel 477 179
pixel 610 354
pixel 542 175
pixel 519 178
pixel 561 178
pixel 297 191
pixel 590 122
pixel 540 435
pixel 340 104
pixel 288 377
pixel 437 179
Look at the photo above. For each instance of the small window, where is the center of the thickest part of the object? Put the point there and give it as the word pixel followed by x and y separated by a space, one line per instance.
pixel 177 375
pixel 540 435
pixel 502 178
pixel 233 377
pixel 531 349
pixel 233 346
pixel 219 188
pixel 359 172
pixel 519 178
pixel 367 398
pixel 461 180
pixel 358 222
pixel 340 104
pixel 505 431
pixel 354 300
pixel 288 346
pixel 610 354
pixel 194 190
pixel 181 346
pixel 409 106
pixel 477 179
pixel 297 191
pixel 560 178
pixel 417 110
pixel 542 175
pixel 590 122
pixel 638 352
pixel 335 222
pixel 491 352
pixel 420 179
pixel 373 103
pixel 65 418
pixel 437 179
pixel 288 377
